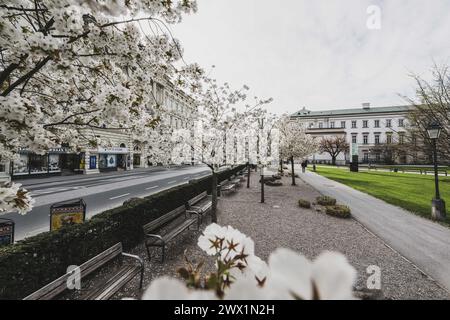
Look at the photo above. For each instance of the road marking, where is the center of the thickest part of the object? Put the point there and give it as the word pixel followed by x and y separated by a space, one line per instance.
pixel 122 195
pixel 149 188
pixel 173 181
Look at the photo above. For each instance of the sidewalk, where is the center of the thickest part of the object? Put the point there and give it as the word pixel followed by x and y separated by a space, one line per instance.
pixel 281 223
pixel 425 243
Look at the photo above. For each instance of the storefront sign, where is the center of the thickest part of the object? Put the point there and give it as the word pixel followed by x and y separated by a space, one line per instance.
pixel 67 213
pixel 6 232
pixel 112 150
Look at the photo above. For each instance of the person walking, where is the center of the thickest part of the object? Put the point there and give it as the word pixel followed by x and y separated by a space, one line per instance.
pixel 304 165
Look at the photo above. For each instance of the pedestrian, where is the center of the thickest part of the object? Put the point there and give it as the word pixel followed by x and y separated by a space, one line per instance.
pixel 304 164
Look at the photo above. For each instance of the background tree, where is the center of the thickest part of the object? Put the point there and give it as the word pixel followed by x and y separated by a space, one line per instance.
pixel 333 146
pixel 294 143
pixel 432 103
pixel 214 139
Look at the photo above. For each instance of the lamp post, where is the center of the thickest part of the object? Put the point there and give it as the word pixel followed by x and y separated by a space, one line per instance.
pixel 437 204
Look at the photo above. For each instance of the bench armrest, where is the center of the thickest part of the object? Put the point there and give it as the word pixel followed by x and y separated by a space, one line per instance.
pixel 135 257
pixel 193 212
pixel 157 236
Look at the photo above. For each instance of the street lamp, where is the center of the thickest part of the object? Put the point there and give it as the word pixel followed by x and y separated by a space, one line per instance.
pixel 437 204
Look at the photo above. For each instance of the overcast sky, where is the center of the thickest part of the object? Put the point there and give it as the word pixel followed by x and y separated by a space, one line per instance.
pixel 318 53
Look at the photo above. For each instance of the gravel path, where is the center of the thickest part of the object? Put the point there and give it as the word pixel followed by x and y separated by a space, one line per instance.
pixel 279 222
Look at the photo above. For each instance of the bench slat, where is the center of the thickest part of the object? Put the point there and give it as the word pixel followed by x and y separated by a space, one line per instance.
pixel 164 219
pixel 59 285
pixel 179 229
pixel 110 287
pixel 197 198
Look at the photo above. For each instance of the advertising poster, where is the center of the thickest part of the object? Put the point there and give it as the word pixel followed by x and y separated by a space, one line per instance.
pixel 67 213
pixel 6 232
pixel 111 160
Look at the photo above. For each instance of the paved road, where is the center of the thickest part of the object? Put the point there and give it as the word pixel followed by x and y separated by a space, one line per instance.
pixel 425 243
pixel 100 192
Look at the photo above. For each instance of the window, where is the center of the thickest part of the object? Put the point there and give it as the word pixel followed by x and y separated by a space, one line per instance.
pixel 366 157
pixel 311 124
pixel 401 138
pixel 354 138
pixel 389 138
pixel 377 124
pixel 332 125
pixel 365 124
pixel 388 123
pixel 354 124
pixel 366 139
pixel 401 123
pixel 320 125
pixel 343 124
pixel 377 157
pixel 377 139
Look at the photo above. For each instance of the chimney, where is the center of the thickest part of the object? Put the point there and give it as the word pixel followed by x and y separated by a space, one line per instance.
pixel 366 105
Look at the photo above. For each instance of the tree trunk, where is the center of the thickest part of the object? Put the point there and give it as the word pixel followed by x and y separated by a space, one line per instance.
pixel 214 198
pixel 262 187
pixel 281 166
pixel 293 172
pixel 333 160
pixel 248 175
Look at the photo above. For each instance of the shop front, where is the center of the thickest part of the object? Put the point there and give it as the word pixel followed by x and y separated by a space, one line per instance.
pixel 113 159
pixel 56 161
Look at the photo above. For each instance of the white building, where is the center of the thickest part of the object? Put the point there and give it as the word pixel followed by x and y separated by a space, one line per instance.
pixel 364 129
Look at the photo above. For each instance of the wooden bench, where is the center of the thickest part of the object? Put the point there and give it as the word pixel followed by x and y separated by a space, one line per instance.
pixel 106 289
pixel 200 204
pixel 160 239
pixel 235 180
pixel 227 186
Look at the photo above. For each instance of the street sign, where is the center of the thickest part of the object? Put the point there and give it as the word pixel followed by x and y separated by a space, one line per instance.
pixel 6 232
pixel 67 213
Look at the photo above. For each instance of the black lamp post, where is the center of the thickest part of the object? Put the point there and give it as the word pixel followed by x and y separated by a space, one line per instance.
pixel 437 204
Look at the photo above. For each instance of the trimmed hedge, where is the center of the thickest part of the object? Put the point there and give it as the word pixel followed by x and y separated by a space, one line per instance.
pixel 339 211
pixel 304 204
pixel 326 201
pixel 32 263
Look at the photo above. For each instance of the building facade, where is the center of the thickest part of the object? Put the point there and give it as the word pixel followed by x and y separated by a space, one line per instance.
pixel 121 152
pixel 367 130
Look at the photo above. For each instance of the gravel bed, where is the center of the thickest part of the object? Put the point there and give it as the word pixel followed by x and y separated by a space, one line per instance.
pixel 279 222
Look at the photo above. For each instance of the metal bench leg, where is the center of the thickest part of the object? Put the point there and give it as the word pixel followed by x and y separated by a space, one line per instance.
pixel 148 252
pixel 163 253
pixel 142 279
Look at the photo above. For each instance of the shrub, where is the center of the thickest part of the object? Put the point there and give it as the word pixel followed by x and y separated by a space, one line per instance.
pixel 268 179
pixel 326 201
pixel 276 177
pixel 339 211
pixel 304 203
pixel 274 183
pixel 34 262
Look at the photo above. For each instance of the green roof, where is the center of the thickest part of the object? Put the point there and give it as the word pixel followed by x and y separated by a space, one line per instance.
pixel 355 111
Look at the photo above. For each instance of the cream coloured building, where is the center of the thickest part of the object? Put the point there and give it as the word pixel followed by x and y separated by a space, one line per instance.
pixel 364 128
pixel 119 153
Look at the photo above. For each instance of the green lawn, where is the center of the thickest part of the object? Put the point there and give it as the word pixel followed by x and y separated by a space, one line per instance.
pixel 412 192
